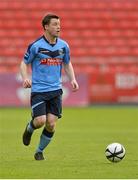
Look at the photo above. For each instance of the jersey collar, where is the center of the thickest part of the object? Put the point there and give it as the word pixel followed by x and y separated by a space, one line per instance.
pixel 48 41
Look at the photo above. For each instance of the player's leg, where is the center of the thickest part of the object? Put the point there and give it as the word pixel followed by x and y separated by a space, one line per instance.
pixel 46 135
pixel 34 124
pixel 53 109
pixel 38 118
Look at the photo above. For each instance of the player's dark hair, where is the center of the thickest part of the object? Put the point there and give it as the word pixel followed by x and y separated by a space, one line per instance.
pixel 46 20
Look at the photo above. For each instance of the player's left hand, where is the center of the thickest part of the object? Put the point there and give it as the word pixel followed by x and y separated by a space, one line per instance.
pixel 75 85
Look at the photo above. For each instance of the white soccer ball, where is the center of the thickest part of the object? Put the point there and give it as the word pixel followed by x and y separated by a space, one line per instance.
pixel 115 152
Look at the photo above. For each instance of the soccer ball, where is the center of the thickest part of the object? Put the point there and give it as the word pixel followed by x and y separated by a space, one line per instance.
pixel 115 152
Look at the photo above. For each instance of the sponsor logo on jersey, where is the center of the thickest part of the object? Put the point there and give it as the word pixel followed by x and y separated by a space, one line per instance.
pixel 51 61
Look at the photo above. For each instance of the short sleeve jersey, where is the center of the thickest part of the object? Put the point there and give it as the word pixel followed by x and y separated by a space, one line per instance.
pixel 46 62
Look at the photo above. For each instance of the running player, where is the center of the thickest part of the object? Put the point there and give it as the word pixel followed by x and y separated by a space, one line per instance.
pixel 46 55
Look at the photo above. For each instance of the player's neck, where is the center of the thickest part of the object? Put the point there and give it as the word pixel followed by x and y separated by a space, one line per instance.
pixel 50 39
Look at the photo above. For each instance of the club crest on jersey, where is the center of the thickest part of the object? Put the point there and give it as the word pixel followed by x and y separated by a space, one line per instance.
pixel 61 51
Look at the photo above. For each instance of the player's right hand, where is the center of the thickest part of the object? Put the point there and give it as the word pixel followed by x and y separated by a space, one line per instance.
pixel 27 83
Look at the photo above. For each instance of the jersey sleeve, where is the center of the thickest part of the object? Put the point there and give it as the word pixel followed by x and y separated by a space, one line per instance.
pixel 30 54
pixel 67 54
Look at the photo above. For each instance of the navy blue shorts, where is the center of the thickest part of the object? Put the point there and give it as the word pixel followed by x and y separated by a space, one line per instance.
pixel 46 102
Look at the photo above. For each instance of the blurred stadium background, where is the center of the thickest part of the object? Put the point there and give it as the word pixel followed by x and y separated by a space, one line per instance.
pixel 103 38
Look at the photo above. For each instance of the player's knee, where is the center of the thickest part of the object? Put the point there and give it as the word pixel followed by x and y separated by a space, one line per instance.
pixel 40 121
pixel 51 122
pixel 51 126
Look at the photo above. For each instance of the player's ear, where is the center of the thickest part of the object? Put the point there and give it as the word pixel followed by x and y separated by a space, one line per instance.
pixel 45 27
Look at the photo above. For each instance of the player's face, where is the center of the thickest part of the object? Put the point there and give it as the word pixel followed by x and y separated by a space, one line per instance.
pixel 54 27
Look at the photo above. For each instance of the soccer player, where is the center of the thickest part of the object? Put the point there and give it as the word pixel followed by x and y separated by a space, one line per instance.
pixel 46 55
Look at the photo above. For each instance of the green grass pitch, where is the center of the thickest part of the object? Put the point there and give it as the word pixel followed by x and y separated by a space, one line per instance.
pixel 78 148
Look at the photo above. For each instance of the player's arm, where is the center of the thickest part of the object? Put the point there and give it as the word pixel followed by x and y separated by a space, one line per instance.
pixel 28 58
pixel 71 75
pixel 24 73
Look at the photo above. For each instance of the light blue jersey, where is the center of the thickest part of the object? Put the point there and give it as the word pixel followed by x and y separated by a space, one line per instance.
pixel 46 62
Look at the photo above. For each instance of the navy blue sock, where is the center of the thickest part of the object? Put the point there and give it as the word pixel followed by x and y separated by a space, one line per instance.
pixel 31 127
pixel 45 139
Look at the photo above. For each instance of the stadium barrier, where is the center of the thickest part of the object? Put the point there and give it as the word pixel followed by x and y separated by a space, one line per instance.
pixel 99 84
